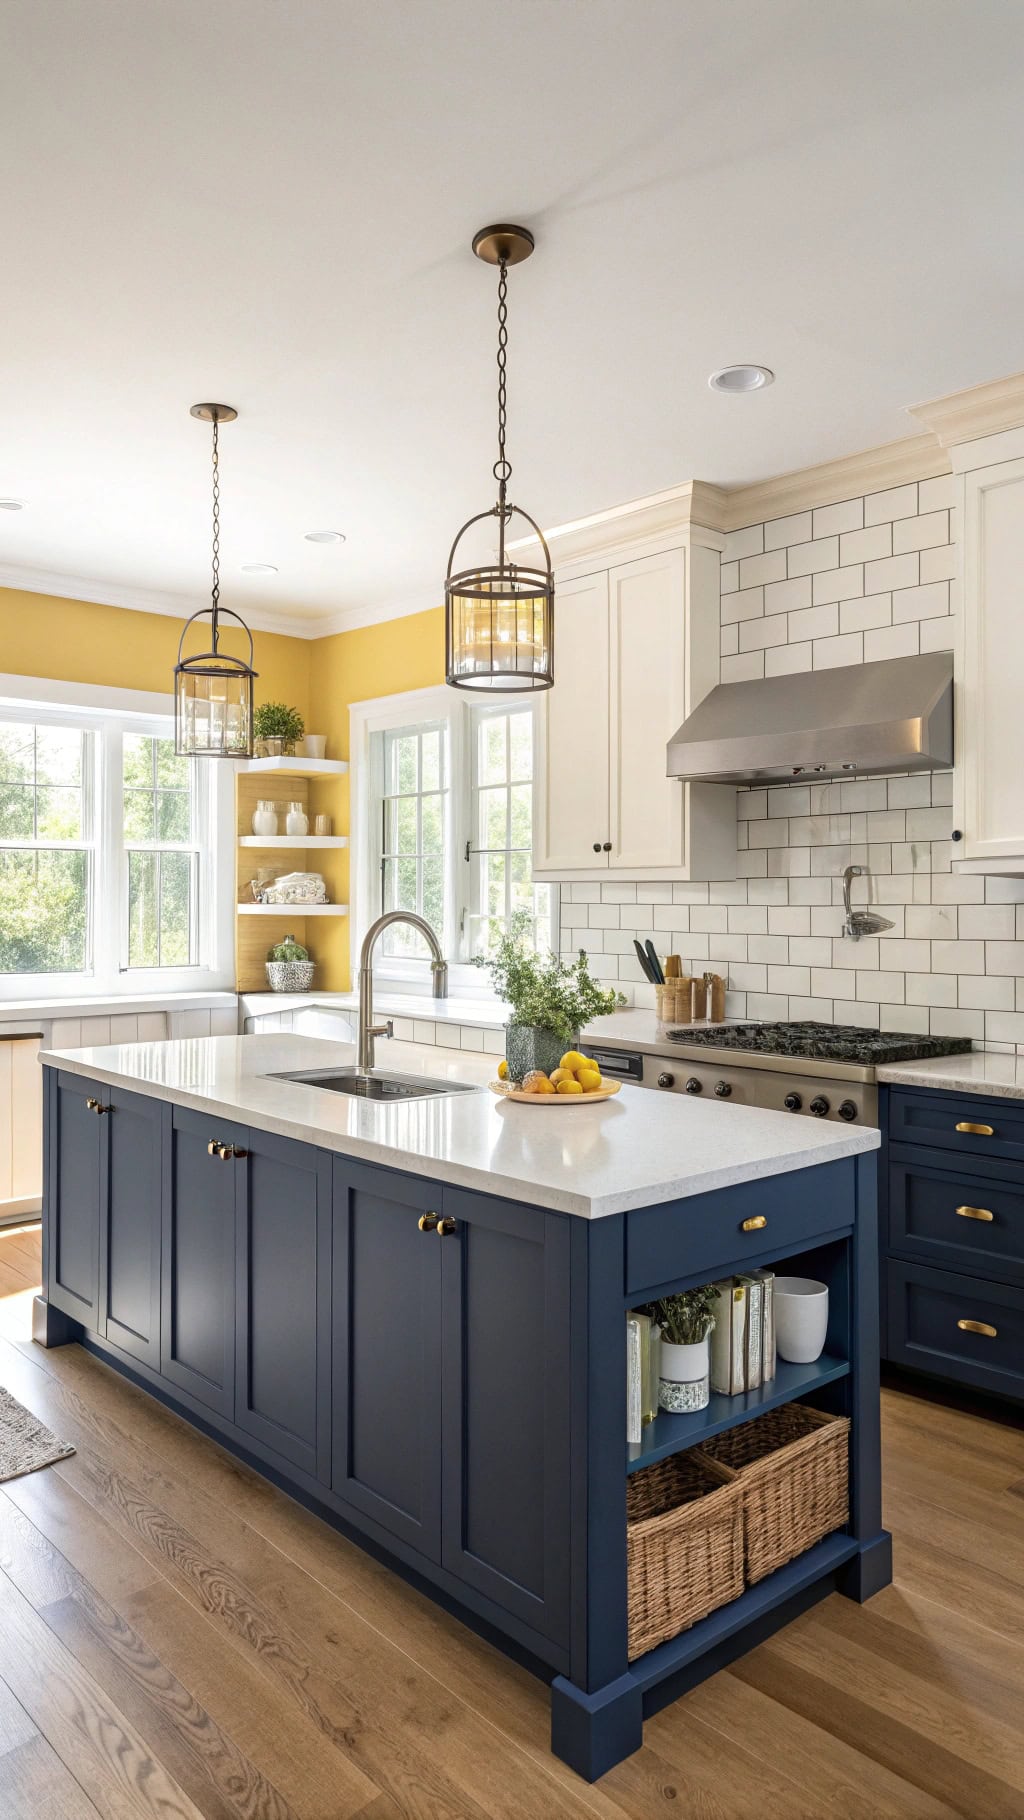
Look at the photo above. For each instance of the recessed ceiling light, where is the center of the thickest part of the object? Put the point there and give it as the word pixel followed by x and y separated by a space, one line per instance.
pixel 11 505
pixel 259 568
pixel 325 536
pixel 741 379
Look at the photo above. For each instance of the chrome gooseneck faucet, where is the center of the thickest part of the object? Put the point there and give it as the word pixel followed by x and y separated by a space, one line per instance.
pixel 439 980
pixel 860 922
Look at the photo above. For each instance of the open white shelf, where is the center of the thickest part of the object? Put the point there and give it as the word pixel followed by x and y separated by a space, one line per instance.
pixel 296 842
pixel 292 910
pixel 296 767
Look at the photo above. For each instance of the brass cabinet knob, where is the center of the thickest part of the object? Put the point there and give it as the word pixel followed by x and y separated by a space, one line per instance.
pixel 976 1130
pixel 427 1222
pixel 224 1151
pixel 213 1147
pixel 98 1107
pixel 92 1105
pixel 444 1227
pixel 975 1213
pixel 754 1225
pixel 978 1327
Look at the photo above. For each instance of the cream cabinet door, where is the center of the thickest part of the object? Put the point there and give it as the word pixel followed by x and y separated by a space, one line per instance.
pixel 990 721
pixel 647 693
pixel 571 820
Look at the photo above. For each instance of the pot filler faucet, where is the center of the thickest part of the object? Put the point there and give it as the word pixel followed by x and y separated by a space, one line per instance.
pixel 439 981
pixel 860 922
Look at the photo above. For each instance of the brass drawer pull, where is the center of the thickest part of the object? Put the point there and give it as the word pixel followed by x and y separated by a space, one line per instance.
pixel 98 1107
pixel 216 1148
pixel 978 1327
pixel 427 1222
pixel 976 1130
pixel 444 1227
pixel 755 1225
pixel 975 1213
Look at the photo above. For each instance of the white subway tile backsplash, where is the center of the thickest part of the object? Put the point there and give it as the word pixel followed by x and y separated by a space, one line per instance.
pixel 848 516
pixel 815 622
pixel 779 532
pixel 922 533
pixel 935 495
pixel 929 602
pixel 789 596
pixel 756 634
pixel 866 546
pixel 748 542
pixel 729 640
pixel 890 641
pixel 745 668
pixel 756 570
pixel 837 584
pixel 937 634
pixel 748 603
pixel 938 564
pixel 806 558
pixel 787 660
pixel 990 922
pixel 865 615
pixel 895 502
pixel 891 572
pixel 833 653
pixel 729 577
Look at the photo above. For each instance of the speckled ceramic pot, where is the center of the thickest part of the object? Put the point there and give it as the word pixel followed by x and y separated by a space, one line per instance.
pixel 684 1373
pixel 289 976
pixel 527 1046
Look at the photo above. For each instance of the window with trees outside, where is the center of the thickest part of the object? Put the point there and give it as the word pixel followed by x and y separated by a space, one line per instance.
pixel 108 873
pixel 450 825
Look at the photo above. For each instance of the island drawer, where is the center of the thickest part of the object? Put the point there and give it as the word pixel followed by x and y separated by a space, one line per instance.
pixel 956 1216
pixel 957 1121
pixel 691 1238
pixel 959 1326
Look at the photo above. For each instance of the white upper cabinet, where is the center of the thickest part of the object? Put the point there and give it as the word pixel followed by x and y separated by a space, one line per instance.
pixel 989 793
pixel 636 646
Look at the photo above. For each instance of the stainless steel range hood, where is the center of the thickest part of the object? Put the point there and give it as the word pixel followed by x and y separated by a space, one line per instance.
pixel 864 718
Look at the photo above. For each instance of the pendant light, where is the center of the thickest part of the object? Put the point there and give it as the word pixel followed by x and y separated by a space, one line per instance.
pixel 213 690
pixel 499 617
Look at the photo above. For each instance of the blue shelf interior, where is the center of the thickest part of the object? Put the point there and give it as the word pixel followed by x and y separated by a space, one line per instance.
pixel 669 1434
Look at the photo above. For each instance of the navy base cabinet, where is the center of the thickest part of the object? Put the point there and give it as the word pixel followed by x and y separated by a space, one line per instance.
pixel 440 1372
pixel 953 1237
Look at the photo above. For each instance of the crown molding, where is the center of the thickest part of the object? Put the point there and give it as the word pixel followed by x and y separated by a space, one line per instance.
pixel 982 410
pixel 894 464
pixel 353 619
pixel 146 600
pixel 695 509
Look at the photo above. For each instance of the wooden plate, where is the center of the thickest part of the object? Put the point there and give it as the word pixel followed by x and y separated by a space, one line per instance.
pixel 506 1092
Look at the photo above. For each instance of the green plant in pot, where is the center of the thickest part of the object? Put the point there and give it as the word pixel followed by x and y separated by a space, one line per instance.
pixel 550 1000
pixel 289 968
pixel 685 1321
pixel 277 729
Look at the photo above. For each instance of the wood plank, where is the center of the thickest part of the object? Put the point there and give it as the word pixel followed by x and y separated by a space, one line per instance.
pixel 36 1785
pixel 103 1750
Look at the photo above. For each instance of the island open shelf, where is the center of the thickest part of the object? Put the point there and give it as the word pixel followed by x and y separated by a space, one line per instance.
pixel 669 1434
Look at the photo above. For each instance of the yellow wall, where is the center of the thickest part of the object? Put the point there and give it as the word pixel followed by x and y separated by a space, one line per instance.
pixel 82 641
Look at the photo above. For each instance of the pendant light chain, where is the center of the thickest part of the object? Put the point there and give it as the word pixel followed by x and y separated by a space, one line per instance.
pixel 215 588
pixel 502 467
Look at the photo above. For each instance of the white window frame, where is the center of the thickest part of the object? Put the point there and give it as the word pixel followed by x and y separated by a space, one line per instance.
pixel 417 708
pixel 108 713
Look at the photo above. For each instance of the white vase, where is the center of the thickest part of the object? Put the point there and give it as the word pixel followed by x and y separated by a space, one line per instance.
pixel 683 1376
pixel 314 745
pixel 296 820
pixel 801 1318
pixel 264 819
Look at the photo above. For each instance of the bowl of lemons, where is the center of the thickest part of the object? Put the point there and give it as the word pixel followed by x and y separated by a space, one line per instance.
pixel 576 1081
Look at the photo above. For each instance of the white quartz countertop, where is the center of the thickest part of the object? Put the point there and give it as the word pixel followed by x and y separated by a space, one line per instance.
pixel 977 1072
pixel 631 1028
pixel 636 1150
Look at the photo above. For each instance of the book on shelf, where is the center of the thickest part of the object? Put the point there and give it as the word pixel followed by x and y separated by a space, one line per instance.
pixel 634 1423
pixel 648 1339
pixel 743 1337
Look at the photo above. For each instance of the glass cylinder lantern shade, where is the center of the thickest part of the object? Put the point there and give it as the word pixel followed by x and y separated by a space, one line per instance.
pixel 499 624
pixel 213 700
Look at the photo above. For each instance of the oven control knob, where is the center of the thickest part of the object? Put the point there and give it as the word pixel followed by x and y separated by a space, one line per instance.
pixel 819 1106
pixel 792 1102
pixel 723 1089
pixel 693 1085
pixel 848 1110
pixel 666 1080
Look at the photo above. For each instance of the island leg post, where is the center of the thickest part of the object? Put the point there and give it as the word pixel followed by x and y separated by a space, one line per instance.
pixel 593 1732
pixel 50 1326
pixel 871 1567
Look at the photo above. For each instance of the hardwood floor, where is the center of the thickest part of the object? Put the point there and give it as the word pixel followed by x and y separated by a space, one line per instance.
pixel 177 1638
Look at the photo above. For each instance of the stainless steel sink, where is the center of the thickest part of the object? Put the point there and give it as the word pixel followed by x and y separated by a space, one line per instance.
pixel 375 1086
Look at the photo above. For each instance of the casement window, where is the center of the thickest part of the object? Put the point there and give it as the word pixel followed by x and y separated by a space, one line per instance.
pixel 113 863
pixel 442 825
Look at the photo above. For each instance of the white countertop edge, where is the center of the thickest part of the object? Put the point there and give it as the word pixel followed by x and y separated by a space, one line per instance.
pixel 111 1005
pixel 852 1142
pixel 981 1071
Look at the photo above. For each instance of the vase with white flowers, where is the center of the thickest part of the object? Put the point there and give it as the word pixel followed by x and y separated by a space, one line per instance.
pixel 685 1321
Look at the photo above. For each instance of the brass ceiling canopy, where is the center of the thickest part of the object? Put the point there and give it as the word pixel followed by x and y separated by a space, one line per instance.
pixel 499 617
pixel 212 689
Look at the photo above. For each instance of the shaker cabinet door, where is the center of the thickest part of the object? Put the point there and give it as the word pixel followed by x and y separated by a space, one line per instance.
pixel 130 1224
pixel 77 1139
pixel 505 1407
pixel 386 1314
pixel 571 811
pixel 283 1337
pixel 989 803
pixel 198 1274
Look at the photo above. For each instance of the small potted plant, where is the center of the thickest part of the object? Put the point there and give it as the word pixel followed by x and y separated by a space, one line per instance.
pixel 289 968
pixel 686 1321
pixel 276 729
pixel 551 1000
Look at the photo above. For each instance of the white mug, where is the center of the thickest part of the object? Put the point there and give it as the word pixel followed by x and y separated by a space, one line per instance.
pixel 315 745
pixel 801 1318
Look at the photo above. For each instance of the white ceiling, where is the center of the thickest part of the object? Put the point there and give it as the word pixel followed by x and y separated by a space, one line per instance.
pixel 271 204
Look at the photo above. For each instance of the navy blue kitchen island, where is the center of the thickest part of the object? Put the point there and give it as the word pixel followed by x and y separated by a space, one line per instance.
pixel 436 1368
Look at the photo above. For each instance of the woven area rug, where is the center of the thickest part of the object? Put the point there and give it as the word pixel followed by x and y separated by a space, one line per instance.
pixel 25 1444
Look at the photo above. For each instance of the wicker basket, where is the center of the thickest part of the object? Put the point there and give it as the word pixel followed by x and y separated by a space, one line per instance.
pixel 684 1546
pixel 793 1469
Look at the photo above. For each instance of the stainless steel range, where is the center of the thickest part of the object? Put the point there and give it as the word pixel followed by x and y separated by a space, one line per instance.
pixel 826 1071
